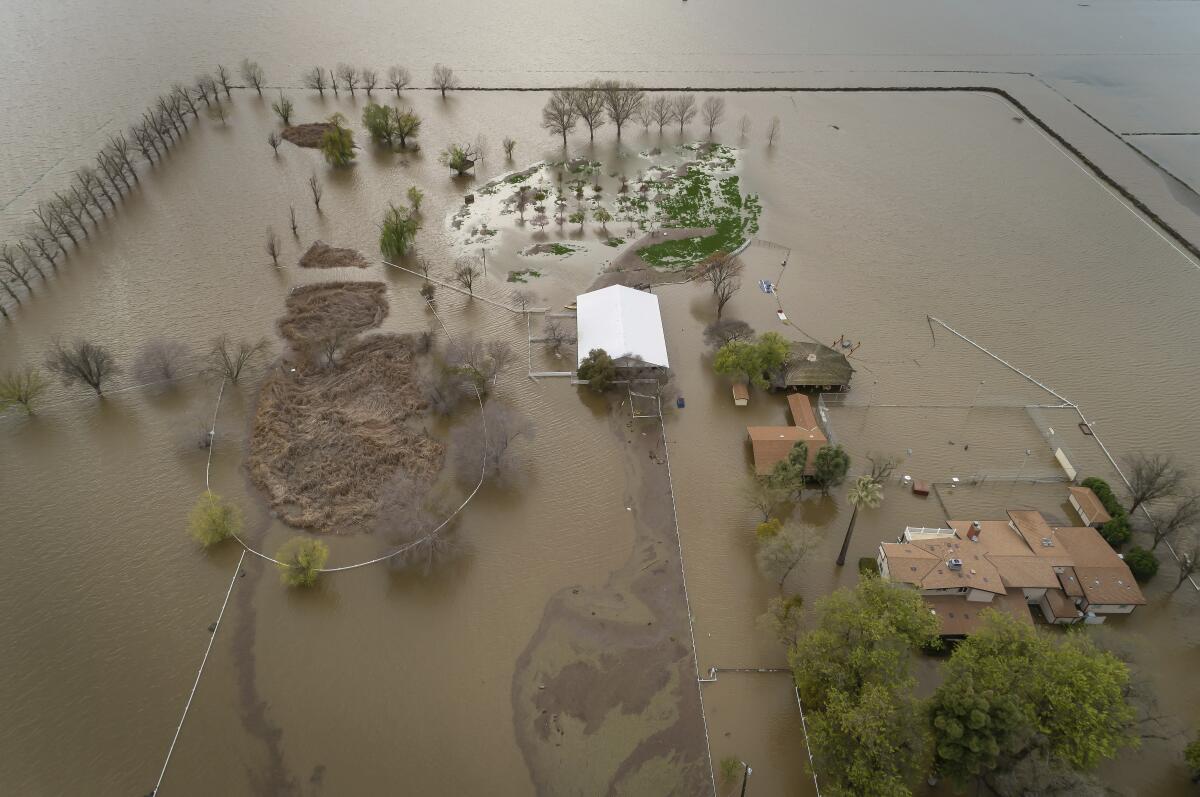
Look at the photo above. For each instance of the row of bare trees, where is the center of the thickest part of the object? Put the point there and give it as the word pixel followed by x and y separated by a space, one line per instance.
pixel 65 221
pixel 352 79
pixel 85 363
pixel 601 101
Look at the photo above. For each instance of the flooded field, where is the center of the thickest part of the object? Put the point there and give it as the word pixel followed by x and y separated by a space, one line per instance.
pixel 892 206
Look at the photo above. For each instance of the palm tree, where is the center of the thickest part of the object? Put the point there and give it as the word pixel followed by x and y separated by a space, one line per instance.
pixel 865 491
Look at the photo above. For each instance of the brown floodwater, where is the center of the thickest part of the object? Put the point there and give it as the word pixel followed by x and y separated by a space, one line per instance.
pixel 893 206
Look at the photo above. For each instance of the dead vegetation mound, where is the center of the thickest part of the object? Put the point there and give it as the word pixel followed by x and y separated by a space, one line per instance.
pixel 332 311
pixel 322 255
pixel 328 434
pixel 306 135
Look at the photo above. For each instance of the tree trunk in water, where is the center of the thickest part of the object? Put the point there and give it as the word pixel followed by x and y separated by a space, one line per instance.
pixel 841 560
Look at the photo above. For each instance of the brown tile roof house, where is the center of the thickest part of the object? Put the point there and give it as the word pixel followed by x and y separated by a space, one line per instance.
pixel 771 444
pixel 1071 573
pixel 1088 505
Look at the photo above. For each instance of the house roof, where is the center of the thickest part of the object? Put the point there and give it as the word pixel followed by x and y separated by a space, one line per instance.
pixel 1061 606
pixel 1102 574
pixel 623 322
pixel 1090 504
pixel 1069 581
pixel 771 444
pixel 960 617
pixel 802 411
pixel 814 365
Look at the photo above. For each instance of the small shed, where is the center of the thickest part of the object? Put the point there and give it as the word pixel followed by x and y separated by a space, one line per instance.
pixel 741 394
pixel 1091 510
pixel 814 365
pixel 624 322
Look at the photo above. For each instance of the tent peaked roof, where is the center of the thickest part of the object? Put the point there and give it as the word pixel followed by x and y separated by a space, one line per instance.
pixel 623 322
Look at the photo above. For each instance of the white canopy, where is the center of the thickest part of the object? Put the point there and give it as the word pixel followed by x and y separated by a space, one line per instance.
pixel 622 321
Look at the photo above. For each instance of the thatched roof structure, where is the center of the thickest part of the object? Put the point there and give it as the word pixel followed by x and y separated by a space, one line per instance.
pixel 814 365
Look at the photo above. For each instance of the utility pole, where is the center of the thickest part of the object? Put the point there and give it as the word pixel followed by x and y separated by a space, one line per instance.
pixel 745 776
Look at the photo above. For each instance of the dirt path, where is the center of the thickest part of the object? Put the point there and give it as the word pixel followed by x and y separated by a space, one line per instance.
pixel 605 698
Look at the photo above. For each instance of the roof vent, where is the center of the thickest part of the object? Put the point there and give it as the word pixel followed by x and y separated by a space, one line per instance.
pixel 1047 542
pixel 954 564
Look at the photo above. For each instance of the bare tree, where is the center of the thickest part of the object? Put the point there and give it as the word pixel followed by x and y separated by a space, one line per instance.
pixel 722 331
pixel 556 335
pixel 82 362
pixel 274 140
pixel 444 79
pixel 223 77
pixel 743 127
pixel 780 554
pixel 227 359
pixel 758 494
pixel 644 114
pixel 725 292
pixel 315 79
pixel 1184 515
pixel 490 453
pixel 370 79
pixel 314 185
pixel 500 352
pixel 784 619
pixel 466 272
pixel 509 144
pixel 273 247
pixel 348 76
pixel 252 73
pixel 683 109
pixel 398 78
pixel 333 82
pixel 713 111
pixel 660 111
pixel 622 102
pixel 588 102
pixel 882 466
pixel 1189 560
pixel 21 388
pixel 558 115
pixel 772 131
pixel 523 298
pixel 423 527
pixel 1153 476
pixel 162 361
pixel 292 220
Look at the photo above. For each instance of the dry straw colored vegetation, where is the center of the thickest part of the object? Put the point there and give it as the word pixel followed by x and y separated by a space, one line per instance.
pixel 330 433
pixel 307 135
pixel 322 255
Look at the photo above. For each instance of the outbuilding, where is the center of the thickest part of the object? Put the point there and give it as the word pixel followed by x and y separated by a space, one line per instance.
pixel 624 322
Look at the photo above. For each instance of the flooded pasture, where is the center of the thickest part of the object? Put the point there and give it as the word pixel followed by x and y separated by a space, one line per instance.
pixel 892 206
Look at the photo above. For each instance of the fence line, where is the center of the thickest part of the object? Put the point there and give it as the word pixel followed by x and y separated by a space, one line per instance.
pixel 807 747
pixel 683 579
pixel 195 684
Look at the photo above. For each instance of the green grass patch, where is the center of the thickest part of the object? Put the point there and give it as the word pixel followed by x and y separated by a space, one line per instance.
pixel 523 275
pixel 614 242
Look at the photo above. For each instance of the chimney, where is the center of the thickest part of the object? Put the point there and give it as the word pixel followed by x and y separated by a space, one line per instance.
pixel 974 531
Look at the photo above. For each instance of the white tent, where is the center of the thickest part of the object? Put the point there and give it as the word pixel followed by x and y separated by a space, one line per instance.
pixel 622 321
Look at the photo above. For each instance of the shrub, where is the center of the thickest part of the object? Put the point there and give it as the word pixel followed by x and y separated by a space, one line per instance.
pixel 768 529
pixel 1142 563
pixel 213 520
pixel 302 559
pixel 338 142
pixel 1117 531
pixel 867 566
pixel 397 232
pixel 731 767
pixel 1191 755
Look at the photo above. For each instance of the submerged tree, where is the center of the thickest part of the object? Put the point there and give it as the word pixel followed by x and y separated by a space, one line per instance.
pixel 780 553
pixel 725 292
pixel 213 519
pixel 315 79
pixel 459 158
pixel 788 475
pixel 82 362
pixel 283 108
pixel 508 144
pixel 398 78
pixel 397 232
pixel 273 247
pixel 348 77
pixel 302 559
pixel 830 467
pixel 337 145
pixel 274 140
pixel 866 491
pixel 772 131
pixel 161 361
pixel 622 101
pixel 408 125
pixel 444 79
pixel 415 197
pixel 227 359
pixel 466 271
pixel 683 109
pixel 491 453
pixel 380 121
pixel 588 102
pixel 252 73
pixel 370 79
pixel 712 111
pixel 21 389
pixel 598 369
pixel 660 111
pixel 559 116
pixel 1153 476
pixel 722 331
pixel 314 186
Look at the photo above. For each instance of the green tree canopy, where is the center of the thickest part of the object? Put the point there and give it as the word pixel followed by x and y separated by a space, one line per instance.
pixel 754 360
pixel 380 122
pixel 1069 700
pixel 830 467
pixel 337 145
pixel 788 474
pixel 302 558
pixel 598 369
pixel 213 519
pixel 397 232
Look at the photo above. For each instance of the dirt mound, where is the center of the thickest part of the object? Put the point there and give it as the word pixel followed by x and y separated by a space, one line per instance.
pixel 322 255
pixel 329 433
pixel 332 310
pixel 307 135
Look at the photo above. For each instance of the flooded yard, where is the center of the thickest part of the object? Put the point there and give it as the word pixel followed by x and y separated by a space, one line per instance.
pixel 507 671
